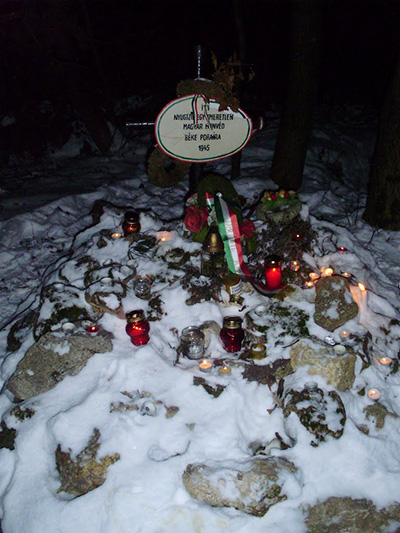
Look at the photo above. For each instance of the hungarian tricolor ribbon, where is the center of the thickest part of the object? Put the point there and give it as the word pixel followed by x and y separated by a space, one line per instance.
pixel 228 227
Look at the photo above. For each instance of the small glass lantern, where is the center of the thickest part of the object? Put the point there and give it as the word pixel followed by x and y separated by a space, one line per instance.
pixel 212 258
pixel 273 273
pixel 192 342
pixel 137 327
pixel 232 333
pixel 142 288
pixel 131 223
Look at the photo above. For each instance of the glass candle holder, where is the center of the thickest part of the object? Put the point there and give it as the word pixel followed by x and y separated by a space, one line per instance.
pixel 92 330
pixel 213 262
pixel 233 284
pixel 232 333
pixel 258 350
pixel 273 273
pixel 137 327
pixel 142 288
pixel 192 342
pixel 131 223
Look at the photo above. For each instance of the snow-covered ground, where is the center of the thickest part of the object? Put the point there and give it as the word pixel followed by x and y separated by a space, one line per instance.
pixel 45 210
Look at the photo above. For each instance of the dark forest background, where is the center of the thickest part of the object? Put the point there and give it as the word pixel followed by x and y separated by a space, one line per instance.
pixel 119 48
pixel 84 56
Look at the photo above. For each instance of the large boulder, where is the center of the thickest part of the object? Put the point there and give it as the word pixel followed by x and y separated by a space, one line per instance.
pixel 338 370
pixel 334 304
pixel 253 487
pixel 53 357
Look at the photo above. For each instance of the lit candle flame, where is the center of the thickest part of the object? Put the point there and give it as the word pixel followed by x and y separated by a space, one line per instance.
pixel 361 286
pixel 374 394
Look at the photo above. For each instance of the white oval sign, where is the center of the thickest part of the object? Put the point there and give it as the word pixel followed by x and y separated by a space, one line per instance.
pixel 193 130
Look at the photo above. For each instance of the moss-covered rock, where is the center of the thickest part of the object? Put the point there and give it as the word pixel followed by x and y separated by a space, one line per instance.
pixel 377 413
pixel 338 370
pixel 277 321
pixel 85 473
pixel 323 415
pixel 334 304
pixel 7 436
pixel 252 487
pixel 20 329
pixel 351 516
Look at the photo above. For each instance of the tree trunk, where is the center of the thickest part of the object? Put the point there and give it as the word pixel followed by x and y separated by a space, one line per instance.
pixel 296 120
pixel 383 202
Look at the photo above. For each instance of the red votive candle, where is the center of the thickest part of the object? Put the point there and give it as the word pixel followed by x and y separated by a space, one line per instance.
pixel 131 223
pixel 137 327
pixel 273 273
pixel 92 330
pixel 232 333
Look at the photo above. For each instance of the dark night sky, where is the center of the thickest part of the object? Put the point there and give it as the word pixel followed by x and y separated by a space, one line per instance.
pixel 146 47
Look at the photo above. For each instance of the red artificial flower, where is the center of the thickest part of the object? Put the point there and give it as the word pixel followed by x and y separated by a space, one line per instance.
pixel 247 228
pixel 272 196
pixel 195 218
pixel 286 194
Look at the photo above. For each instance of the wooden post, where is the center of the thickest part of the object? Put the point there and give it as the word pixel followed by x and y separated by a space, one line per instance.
pixel 196 172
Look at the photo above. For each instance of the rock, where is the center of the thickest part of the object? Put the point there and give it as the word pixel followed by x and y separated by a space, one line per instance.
pixel 338 370
pixel 268 374
pixel 59 303
pixel 334 304
pixel 336 515
pixel 85 473
pixel 253 488
pixel 324 416
pixel 52 358
pixel 19 329
pixel 7 436
pixel 268 320
pixel 378 412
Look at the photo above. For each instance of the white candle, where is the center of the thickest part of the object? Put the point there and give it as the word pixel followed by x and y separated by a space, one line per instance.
pixel 325 272
pixel 164 235
pixel 374 394
pixel 224 370
pixel 205 366
pixel 68 326
pixel 344 334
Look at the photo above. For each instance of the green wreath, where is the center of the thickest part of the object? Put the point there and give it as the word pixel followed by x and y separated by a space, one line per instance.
pixel 164 171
